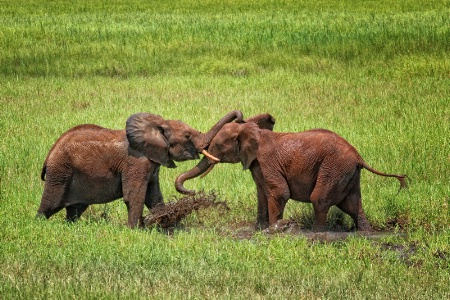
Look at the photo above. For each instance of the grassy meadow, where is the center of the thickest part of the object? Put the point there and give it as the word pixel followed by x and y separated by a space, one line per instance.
pixel 376 72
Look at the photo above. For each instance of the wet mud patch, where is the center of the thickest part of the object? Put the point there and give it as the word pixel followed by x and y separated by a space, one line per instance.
pixel 247 230
pixel 404 252
pixel 169 215
pixel 391 244
pixel 414 255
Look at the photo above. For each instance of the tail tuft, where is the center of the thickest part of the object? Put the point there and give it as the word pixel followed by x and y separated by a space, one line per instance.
pixel 403 183
pixel 401 178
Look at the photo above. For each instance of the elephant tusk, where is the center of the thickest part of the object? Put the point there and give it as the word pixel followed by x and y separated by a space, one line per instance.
pixel 205 153
pixel 207 171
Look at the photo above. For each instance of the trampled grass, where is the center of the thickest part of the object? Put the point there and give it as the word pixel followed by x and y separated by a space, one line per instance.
pixel 377 73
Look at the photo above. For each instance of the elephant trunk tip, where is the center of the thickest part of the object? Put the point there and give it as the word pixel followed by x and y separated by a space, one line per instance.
pixel 180 187
pixel 204 142
pixel 239 116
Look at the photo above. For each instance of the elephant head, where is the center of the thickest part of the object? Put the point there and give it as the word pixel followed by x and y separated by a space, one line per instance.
pixel 234 143
pixel 165 141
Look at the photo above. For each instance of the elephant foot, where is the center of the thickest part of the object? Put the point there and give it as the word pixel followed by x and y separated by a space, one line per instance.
pixel 363 225
pixel 262 225
pixel 319 228
pixel 279 226
pixel 366 228
pixel 41 216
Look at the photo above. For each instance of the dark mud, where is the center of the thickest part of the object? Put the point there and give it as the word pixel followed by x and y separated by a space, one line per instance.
pixel 168 218
pixel 169 215
pixel 292 228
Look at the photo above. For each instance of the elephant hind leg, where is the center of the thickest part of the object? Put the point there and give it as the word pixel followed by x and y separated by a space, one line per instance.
pixel 73 212
pixel 320 216
pixel 322 199
pixel 52 200
pixel 46 212
pixel 352 206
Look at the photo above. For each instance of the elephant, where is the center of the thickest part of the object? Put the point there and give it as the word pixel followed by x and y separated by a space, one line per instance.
pixel 316 166
pixel 90 164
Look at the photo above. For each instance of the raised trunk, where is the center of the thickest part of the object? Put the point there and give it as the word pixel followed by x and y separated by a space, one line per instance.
pixel 205 138
pixel 199 169
pixel 201 144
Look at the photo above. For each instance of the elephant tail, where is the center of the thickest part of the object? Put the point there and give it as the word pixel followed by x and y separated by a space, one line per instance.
pixel 401 178
pixel 43 171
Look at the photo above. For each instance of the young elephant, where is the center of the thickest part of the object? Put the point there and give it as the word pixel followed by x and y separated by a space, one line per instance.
pixel 316 166
pixel 89 164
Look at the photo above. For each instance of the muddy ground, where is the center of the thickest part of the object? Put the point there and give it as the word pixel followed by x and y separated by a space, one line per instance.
pixel 169 217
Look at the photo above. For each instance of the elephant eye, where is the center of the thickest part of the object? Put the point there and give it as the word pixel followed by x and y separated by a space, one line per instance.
pixel 187 136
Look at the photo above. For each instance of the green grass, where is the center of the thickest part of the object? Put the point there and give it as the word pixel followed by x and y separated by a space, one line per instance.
pixel 376 72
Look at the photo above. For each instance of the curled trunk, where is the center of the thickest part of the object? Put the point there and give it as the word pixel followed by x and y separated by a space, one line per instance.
pixel 201 145
pixel 205 138
pixel 198 170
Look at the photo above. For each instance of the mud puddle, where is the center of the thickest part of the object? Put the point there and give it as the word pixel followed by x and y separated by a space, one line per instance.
pixel 168 217
pixel 292 228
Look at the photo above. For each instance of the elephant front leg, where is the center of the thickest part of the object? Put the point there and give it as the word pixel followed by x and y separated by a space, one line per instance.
pixel 154 196
pixel 74 211
pixel 134 184
pixel 135 211
pixel 262 218
pixel 278 194
pixel 276 206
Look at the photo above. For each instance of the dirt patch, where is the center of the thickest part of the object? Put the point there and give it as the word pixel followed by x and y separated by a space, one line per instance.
pixel 246 230
pixel 404 252
pixel 169 215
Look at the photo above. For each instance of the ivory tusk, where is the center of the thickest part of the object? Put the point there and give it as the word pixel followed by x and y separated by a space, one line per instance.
pixel 205 153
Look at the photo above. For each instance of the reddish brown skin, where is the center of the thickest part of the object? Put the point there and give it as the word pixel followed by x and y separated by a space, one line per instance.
pixel 316 166
pixel 90 164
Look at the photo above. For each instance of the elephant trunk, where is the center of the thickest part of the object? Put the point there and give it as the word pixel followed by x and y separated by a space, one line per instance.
pixel 205 138
pixel 203 166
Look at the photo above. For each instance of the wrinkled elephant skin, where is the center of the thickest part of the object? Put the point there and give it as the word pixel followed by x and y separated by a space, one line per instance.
pixel 90 164
pixel 316 166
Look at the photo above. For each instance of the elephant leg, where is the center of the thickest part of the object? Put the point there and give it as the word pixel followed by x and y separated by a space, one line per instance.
pixel 135 211
pixel 352 205
pixel 276 208
pixel 134 184
pixel 321 199
pixel 154 196
pixel 320 217
pixel 73 212
pixel 52 200
pixel 277 197
pixel 262 218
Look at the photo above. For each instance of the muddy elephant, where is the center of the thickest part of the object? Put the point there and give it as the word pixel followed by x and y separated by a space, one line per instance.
pixel 90 164
pixel 316 166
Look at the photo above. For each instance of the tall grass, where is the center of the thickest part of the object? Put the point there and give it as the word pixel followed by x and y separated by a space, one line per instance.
pixel 136 38
pixel 375 72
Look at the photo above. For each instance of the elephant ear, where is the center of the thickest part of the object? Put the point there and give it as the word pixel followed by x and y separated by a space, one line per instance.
pixel 264 121
pixel 149 134
pixel 248 143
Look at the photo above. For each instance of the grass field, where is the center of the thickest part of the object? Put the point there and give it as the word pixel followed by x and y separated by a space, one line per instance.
pixel 376 72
